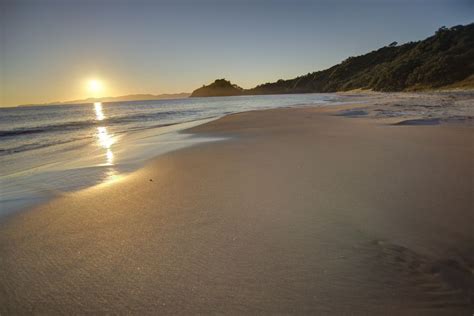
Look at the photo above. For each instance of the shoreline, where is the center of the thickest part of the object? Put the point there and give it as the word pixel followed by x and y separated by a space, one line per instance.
pixel 73 162
pixel 354 104
pixel 164 138
pixel 301 211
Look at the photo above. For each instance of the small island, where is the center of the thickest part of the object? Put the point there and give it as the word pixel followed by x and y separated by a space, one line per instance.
pixel 219 88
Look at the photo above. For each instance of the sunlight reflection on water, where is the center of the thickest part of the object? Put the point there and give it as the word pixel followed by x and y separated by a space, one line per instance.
pixel 105 140
pixel 98 111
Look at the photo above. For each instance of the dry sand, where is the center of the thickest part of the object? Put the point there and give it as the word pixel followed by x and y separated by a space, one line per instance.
pixel 300 211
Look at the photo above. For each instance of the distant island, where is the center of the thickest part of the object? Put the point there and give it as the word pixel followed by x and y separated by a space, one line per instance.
pixel 130 97
pixel 444 60
pixel 220 87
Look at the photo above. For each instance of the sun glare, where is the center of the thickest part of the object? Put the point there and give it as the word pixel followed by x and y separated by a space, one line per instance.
pixel 95 86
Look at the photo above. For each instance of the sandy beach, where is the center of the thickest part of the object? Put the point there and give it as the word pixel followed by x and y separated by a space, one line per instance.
pixel 301 210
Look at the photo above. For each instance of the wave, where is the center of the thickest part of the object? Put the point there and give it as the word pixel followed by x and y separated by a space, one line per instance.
pixel 46 128
pixel 76 125
pixel 26 147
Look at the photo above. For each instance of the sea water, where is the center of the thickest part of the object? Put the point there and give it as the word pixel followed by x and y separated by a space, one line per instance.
pixel 48 150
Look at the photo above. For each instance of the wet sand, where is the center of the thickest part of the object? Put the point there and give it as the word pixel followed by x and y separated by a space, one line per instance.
pixel 299 211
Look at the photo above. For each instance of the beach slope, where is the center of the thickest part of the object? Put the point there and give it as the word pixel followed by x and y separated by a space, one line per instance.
pixel 299 211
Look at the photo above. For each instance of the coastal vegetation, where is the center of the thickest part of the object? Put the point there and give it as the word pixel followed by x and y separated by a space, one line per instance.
pixel 220 87
pixel 444 59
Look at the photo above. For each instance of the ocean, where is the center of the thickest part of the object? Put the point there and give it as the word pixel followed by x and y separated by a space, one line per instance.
pixel 46 151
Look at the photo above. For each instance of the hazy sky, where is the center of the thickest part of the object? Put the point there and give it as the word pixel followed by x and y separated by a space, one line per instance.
pixel 50 48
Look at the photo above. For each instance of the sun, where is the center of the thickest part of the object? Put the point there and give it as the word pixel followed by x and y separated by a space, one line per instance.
pixel 95 86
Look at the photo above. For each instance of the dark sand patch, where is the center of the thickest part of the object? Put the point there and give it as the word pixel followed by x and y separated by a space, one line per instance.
pixel 352 113
pixel 418 122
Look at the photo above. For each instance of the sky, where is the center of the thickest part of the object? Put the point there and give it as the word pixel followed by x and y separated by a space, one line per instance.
pixel 50 49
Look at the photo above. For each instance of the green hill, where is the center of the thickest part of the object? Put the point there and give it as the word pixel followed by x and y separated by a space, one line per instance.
pixel 444 59
pixel 220 87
